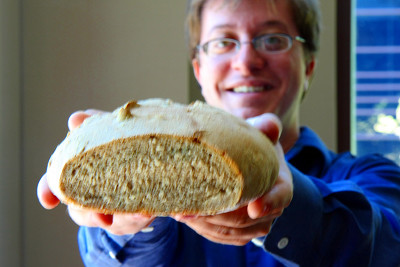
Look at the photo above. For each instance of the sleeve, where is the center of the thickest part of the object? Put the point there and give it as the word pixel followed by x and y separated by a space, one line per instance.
pixel 149 248
pixel 353 220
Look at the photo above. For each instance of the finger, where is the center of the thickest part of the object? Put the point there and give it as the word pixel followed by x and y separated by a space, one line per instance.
pixel 269 124
pixel 273 202
pixel 130 223
pixel 261 208
pixel 89 218
pixel 258 208
pixel 76 119
pixel 280 196
pixel 103 220
pixel 229 235
pixel 181 217
pixel 46 198
pixel 236 219
pixel 80 216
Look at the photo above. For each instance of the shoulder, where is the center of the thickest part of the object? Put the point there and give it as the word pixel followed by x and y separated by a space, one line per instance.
pixel 347 165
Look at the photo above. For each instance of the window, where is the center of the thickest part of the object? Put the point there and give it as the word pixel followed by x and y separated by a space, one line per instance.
pixel 375 106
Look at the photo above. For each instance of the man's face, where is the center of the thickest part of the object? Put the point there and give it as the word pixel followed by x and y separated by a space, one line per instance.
pixel 251 83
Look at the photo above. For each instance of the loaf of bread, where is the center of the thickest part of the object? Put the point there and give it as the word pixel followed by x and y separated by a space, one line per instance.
pixel 161 158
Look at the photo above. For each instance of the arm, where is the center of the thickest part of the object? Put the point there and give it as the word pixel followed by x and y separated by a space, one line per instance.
pixel 133 239
pixel 99 235
pixel 99 232
pixel 349 215
pixel 152 247
pixel 351 219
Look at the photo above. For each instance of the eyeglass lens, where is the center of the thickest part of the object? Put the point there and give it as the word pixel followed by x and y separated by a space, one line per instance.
pixel 272 43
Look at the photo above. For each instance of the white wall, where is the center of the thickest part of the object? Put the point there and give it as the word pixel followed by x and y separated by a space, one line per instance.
pixel 57 56
pixel 87 53
pixel 318 110
pixel 10 147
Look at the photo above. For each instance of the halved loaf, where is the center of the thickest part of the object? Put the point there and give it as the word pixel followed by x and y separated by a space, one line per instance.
pixel 159 157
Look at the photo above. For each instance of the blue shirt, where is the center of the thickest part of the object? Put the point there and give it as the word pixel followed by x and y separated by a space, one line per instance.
pixel 345 212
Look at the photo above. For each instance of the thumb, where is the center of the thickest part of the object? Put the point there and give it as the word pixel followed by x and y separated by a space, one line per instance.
pixel 45 196
pixel 77 118
pixel 269 124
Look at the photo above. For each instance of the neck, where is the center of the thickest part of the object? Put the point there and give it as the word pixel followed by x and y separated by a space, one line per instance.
pixel 289 137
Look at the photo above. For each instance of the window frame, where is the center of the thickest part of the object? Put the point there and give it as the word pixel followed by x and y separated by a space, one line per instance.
pixel 344 72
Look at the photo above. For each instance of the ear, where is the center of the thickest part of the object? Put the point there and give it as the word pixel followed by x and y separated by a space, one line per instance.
pixel 196 69
pixel 310 67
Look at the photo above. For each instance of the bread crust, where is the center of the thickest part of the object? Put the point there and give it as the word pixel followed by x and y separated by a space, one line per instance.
pixel 159 157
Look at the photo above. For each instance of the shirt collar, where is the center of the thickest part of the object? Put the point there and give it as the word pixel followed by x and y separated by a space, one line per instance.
pixel 309 150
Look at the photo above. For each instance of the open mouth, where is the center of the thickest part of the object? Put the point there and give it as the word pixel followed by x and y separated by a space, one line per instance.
pixel 250 89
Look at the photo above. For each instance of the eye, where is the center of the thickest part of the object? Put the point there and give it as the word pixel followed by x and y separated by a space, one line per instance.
pixel 274 42
pixel 220 46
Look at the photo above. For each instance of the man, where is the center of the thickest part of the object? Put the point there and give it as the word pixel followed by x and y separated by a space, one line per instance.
pixel 255 58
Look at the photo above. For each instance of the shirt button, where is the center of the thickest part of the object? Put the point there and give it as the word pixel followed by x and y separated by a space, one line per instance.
pixel 112 255
pixel 283 243
pixel 147 230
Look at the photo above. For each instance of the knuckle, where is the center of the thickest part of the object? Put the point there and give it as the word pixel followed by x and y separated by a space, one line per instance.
pixel 264 230
pixel 241 221
pixel 223 231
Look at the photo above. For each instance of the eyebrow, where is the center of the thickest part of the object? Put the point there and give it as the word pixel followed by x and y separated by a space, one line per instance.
pixel 269 23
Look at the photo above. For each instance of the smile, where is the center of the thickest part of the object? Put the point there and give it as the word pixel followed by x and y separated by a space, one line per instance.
pixel 248 89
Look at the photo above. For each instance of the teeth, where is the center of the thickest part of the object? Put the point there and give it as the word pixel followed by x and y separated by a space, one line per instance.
pixel 248 89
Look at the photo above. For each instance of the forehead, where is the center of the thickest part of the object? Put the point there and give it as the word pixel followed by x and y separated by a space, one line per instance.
pixel 246 15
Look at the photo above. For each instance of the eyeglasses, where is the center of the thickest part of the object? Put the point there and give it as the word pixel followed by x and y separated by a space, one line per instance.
pixel 267 44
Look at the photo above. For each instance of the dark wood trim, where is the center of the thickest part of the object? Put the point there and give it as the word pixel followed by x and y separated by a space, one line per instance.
pixel 344 39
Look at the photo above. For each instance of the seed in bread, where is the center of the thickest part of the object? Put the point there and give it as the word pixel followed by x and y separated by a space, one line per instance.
pixel 159 157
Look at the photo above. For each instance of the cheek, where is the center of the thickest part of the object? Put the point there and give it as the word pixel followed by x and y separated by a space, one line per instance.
pixel 211 76
pixel 211 72
pixel 292 73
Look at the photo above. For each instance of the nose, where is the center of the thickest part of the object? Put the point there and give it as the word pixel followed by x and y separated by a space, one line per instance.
pixel 247 59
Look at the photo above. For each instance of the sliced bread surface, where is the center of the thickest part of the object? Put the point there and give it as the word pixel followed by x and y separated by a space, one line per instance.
pixel 159 157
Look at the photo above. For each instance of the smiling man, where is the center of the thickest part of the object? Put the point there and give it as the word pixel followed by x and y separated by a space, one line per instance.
pixel 254 59
pixel 263 67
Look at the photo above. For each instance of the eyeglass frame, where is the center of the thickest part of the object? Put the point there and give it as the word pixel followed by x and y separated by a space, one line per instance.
pixel 238 44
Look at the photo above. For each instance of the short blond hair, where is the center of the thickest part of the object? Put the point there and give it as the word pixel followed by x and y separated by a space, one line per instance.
pixel 306 15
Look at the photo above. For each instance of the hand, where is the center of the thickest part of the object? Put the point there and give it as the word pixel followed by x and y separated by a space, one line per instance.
pixel 118 224
pixel 281 194
pixel 254 220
